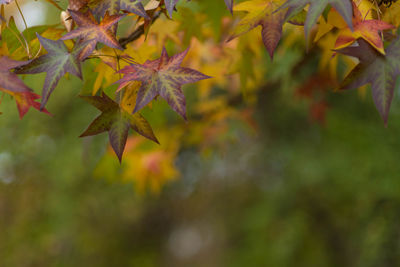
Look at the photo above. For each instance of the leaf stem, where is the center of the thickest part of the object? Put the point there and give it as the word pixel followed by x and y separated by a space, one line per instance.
pixel 119 94
pixel 99 56
pixel 26 27
pixel 138 32
pixel 22 15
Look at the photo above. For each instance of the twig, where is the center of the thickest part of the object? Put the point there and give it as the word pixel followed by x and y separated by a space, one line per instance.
pixel 26 27
pixel 137 33
pixel 119 93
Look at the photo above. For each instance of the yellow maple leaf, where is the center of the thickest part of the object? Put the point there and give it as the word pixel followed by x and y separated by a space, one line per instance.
pixel 392 14
pixel 261 13
pixel 367 29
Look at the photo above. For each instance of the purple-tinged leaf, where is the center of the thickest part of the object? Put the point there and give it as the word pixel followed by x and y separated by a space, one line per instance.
pixel 229 5
pixel 113 7
pixel 170 6
pixel 163 77
pixel 92 32
pixel 56 63
pixel 8 79
pixel 316 8
pixel 376 69
pixel 5 2
pixel 12 85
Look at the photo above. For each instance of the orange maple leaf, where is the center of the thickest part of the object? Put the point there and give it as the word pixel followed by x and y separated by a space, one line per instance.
pixel 369 30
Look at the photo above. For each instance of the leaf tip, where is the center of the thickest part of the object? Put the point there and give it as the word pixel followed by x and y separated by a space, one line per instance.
pixel 119 155
pixel 154 139
pixel 385 117
pixel 271 54
pixel 230 38
pixel 42 106
pixel 184 116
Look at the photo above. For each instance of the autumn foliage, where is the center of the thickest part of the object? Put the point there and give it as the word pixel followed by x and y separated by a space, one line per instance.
pixel 209 43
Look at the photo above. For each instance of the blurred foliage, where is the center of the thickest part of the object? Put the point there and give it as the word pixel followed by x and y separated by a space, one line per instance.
pixel 297 193
pixel 284 173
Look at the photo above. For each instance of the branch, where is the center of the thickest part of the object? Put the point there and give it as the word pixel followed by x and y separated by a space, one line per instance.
pixel 138 32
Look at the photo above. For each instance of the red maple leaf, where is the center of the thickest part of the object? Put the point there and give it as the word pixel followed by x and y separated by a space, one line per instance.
pixel 12 85
pixel 369 30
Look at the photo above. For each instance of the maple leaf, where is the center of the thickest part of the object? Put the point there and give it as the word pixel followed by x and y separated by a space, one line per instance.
pixel 261 13
pixel 170 6
pixel 26 100
pixel 376 69
pixel 163 76
pixel 229 5
pixel 316 8
pixel 100 7
pixel 117 122
pixel 369 30
pixel 12 85
pixel 76 4
pixel 56 63
pixel 8 79
pixel 92 32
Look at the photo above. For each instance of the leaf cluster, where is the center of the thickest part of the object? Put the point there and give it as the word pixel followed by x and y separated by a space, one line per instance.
pixel 91 34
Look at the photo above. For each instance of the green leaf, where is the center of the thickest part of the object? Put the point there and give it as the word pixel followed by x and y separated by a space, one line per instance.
pixel 117 122
pixel 9 35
